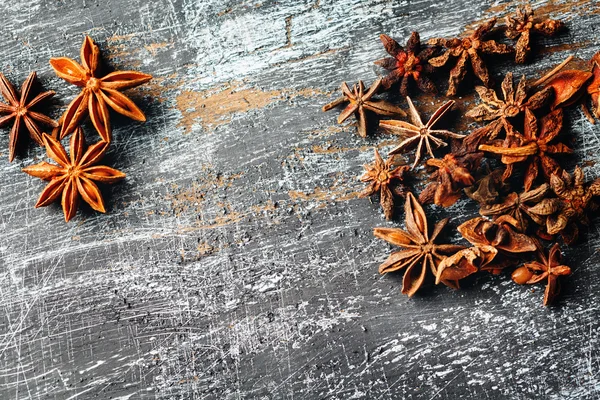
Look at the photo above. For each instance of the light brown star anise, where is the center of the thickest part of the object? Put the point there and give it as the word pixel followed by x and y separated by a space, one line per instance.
pixel 408 64
pixel 419 132
pixel 380 174
pixel 468 49
pixel 420 252
pixel 515 102
pixel 533 147
pixel 570 208
pixel 547 267
pixel 360 102
pixel 517 206
pixel 20 108
pixel 98 93
pixel 74 176
pixel 522 25
pixel 453 174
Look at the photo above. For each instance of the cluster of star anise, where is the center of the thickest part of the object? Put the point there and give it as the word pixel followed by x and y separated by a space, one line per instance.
pixel 76 173
pixel 510 165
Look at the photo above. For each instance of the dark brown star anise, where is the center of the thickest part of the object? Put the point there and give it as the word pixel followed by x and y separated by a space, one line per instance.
pixel 420 252
pixel 570 208
pixel 453 174
pixel 522 25
pixel 74 176
pixel 407 64
pixel 359 102
pixel 98 93
pixel 380 174
pixel 487 190
pixel 419 132
pixel 533 147
pixel 468 49
pixel 547 267
pixel 20 108
pixel 517 206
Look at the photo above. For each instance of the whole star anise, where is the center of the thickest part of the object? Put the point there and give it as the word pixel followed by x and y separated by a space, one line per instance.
pixel 20 108
pixel 468 49
pixel 74 176
pixel 522 25
pixel 570 208
pixel 547 267
pixel 517 206
pixel 419 132
pixel 98 93
pixel 420 252
pixel 533 147
pixel 380 174
pixel 407 64
pixel 453 174
pixel 359 102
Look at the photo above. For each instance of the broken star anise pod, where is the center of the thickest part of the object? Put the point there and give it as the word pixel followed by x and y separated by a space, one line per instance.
pixel 380 174
pixel 533 147
pixel 453 174
pixel 420 252
pixel 468 50
pixel 420 133
pixel 360 102
pixel 20 109
pixel 407 64
pixel 517 206
pixel 570 208
pixel 522 25
pixel 74 176
pixel 98 93
pixel 593 88
pixel 487 189
pixel 547 267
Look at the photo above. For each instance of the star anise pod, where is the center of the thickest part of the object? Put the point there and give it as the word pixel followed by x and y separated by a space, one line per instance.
pixel 497 241
pixel 468 49
pixel 487 190
pixel 360 102
pixel 593 88
pixel 515 102
pixel 568 87
pixel 547 267
pixel 419 132
pixel 74 176
pixel 452 175
pixel 380 174
pixel 420 252
pixel 407 64
pixel 517 206
pixel 20 108
pixel 98 93
pixel 533 147
pixel 522 25
pixel 570 208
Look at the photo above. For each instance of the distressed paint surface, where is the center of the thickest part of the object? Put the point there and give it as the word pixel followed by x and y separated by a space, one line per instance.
pixel 236 261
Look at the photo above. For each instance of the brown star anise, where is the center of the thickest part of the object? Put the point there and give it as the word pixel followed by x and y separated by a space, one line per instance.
pixel 407 64
pixel 533 147
pixel 593 88
pixel 547 267
pixel 419 132
pixel 487 189
pixel 380 174
pixel 20 108
pixel 99 93
pixel 517 206
pixel 574 200
pixel 75 175
pixel 522 25
pixel 359 102
pixel 420 253
pixel 452 175
pixel 468 49
pixel 497 241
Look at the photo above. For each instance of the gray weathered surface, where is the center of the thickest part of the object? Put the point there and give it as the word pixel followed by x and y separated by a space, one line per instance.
pixel 236 261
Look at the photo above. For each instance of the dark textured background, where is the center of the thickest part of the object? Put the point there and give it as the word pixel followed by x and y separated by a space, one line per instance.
pixel 236 261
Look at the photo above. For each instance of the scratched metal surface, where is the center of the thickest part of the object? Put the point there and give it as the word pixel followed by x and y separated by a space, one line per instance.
pixel 236 261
